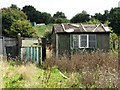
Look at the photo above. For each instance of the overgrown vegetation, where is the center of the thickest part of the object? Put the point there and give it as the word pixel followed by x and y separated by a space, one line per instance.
pixel 84 70
pixel 43 29
pixel 14 21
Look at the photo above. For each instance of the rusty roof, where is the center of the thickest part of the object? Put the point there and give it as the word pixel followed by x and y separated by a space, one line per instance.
pixel 77 28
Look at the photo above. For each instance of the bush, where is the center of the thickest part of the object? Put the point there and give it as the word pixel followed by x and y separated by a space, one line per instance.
pixel 14 81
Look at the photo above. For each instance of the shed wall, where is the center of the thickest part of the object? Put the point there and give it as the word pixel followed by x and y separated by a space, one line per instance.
pixel 103 41
pixel 54 43
pixel 64 44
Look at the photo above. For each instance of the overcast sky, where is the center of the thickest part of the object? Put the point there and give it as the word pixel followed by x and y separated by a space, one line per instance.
pixel 69 7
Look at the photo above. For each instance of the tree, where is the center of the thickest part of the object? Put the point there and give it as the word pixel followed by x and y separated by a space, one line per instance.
pixel 59 15
pixel 36 16
pixel 61 20
pixel 31 13
pixel 45 18
pixel 81 17
pixel 10 15
pixel 105 16
pixel 12 19
pixel 14 6
pixel 23 27
pixel 98 16
pixel 114 18
pixel 93 21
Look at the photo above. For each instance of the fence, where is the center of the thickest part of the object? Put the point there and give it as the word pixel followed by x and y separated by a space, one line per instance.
pixel 26 49
pixel 33 54
pixel 31 50
pixel 8 47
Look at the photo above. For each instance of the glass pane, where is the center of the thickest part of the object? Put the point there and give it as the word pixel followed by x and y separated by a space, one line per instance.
pixel 83 43
pixel 92 44
pixel 75 41
pixel 83 37
pixel 91 37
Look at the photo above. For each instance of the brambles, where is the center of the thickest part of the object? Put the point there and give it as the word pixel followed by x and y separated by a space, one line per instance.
pixel 98 69
pixel 84 70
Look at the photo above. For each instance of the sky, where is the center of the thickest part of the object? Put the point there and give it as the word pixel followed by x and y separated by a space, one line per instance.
pixel 69 7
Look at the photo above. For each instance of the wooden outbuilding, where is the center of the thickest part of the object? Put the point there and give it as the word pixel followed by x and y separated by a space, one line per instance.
pixel 69 38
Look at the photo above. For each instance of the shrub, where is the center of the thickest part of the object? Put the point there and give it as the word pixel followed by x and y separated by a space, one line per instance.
pixel 98 69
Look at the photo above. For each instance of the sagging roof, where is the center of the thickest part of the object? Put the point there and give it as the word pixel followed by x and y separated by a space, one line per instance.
pixel 75 28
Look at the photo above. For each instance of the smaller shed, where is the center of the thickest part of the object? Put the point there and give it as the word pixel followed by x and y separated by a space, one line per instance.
pixel 68 38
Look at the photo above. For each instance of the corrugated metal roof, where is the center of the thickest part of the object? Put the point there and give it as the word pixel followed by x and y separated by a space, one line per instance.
pixel 61 28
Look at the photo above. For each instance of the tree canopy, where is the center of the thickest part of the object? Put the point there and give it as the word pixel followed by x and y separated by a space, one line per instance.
pixel 81 17
pixel 23 27
pixel 115 20
pixel 59 15
pixel 10 18
pixel 13 13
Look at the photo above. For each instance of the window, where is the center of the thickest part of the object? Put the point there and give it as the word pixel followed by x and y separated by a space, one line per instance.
pixel 75 41
pixel 92 41
pixel 84 41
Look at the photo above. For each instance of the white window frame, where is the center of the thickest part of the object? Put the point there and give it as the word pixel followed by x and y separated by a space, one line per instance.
pixel 80 40
pixel 88 41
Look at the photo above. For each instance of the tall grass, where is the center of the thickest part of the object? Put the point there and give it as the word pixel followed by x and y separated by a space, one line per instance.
pixel 84 70
pixel 99 69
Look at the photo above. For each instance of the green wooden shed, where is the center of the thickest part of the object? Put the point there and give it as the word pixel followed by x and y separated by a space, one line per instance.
pixel 68 38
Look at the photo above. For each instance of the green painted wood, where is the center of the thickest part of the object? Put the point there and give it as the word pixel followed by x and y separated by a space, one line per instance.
pixel 32 53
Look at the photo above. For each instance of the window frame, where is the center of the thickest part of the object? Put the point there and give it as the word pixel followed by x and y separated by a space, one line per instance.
pixel 81 41
pixel 95 41
pixel 88 41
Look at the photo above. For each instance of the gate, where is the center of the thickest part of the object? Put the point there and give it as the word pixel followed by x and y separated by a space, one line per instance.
pixel 31 49
pixel 33 54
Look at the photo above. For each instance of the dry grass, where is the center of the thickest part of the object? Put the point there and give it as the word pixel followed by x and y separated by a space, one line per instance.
pixel 96 68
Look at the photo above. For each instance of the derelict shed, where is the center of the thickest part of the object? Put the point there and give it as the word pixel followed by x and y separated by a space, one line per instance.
pixel 68 38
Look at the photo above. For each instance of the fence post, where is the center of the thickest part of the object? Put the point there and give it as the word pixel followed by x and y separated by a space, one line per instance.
pixel 43 48
pixel 19 46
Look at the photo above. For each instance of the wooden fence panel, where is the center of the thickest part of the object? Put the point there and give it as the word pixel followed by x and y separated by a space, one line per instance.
pixel 10 48
pixel 33 54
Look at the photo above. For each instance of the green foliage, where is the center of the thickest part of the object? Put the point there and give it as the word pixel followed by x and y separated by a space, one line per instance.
pixel 59 15
pixel 45 18
pixel 40 30
pixel 36 16
pixel 93 21
pixel 15 21
pixel 98 16
pixel 22 27
pixel 14 6
pixel 96 69
pixel 14 81
pixel 30 11
pixel 9 15
pixel 61 20
pixel 115 20
pixel 48 36
pixel 80 17
pixel 114 40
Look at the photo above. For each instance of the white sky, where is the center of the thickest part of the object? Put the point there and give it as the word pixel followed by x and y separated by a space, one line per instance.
pixel 69 7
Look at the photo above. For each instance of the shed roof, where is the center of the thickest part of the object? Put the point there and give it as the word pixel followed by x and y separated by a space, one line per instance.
pixel 75 28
